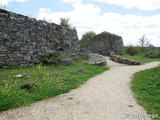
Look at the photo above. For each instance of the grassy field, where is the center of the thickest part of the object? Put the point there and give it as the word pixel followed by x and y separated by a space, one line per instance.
pixel 142 54
pixel 141 58
pixel 51 80
pixel 146 88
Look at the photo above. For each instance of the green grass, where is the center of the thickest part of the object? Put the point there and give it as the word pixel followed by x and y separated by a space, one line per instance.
pixel 141 58
pixel 146 88
pixel 65 22
pixel 52 80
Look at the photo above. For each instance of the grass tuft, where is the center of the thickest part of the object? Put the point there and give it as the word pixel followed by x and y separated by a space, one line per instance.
pixel 65 22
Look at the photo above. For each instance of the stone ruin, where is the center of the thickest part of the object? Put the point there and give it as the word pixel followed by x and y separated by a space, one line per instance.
pixel 25 41
pixel 120 59
pixel 104 43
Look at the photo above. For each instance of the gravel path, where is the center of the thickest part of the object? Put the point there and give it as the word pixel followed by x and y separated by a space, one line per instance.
pixel 104 97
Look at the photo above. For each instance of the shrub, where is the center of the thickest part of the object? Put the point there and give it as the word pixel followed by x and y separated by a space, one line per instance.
pixel 88 35
pixel 143 49
pixel 52 59
pixel 65 22
pixel 153 54
pixel 132 50
pixel 49 60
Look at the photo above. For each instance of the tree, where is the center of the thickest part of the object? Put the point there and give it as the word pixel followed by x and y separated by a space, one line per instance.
pixel 144 42
pixel 88 35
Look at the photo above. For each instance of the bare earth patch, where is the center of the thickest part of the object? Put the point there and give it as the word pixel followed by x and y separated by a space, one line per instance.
pixel 104 97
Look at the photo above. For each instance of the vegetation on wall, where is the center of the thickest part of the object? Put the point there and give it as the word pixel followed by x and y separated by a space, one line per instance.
pixel 65 22
pixel 53 59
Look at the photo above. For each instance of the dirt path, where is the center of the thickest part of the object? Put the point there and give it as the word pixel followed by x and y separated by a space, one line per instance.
pixel 104 97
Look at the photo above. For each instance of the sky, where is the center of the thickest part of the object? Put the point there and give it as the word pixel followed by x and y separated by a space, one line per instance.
pixel 130 19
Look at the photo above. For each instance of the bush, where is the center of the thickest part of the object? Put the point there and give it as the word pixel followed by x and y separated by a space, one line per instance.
pixel 153 54
pixel 49 60
pixel 132 50
pixel 65 22
pixel 53 59
pixel 88 35
pixel 143 49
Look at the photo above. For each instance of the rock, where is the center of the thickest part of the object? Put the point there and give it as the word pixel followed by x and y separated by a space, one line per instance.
pixel 28 85
pixel 96 59
pixel 122 60
pixel 130 105
pixel 104 43
pixel 66 61
pixel 57 74
pixel 70 98
pixel 80 70
pixel 61 79
pixel 19 76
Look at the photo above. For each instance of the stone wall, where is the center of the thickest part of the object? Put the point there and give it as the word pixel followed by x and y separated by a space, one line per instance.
pixel 104 43
pixel 122 60
pixel 24 40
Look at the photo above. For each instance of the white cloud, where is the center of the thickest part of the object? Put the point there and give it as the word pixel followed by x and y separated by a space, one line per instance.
pixel 140 4
pixel 88 17
pixel 5 2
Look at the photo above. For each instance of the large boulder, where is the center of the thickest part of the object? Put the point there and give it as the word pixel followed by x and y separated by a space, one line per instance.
pixel 96 59
pixel 104 43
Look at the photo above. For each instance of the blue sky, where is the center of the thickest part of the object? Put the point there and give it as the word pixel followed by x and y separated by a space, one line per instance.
pixel 129 18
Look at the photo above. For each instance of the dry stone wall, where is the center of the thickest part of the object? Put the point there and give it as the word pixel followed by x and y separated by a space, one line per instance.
pixel 24 40
pixel 122 60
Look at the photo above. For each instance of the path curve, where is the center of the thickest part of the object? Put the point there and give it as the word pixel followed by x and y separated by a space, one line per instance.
pixel 104 97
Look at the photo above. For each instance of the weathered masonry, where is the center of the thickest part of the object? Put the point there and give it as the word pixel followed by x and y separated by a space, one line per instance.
pixel 24 40
pixel 104 43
